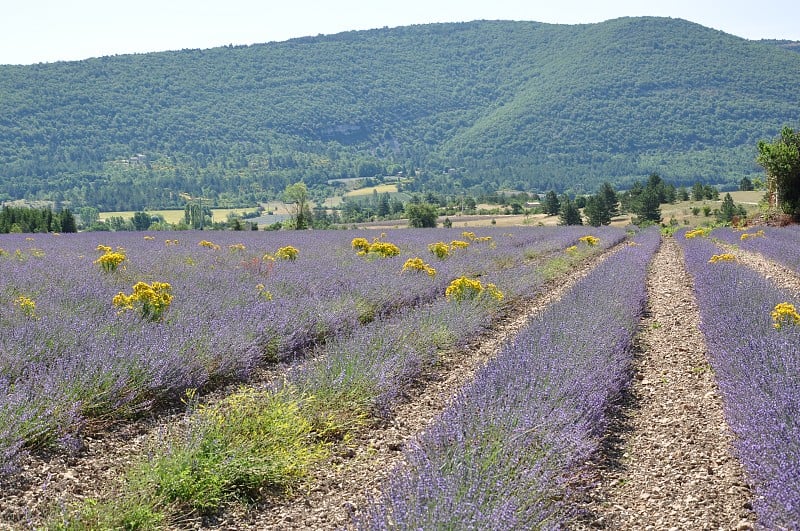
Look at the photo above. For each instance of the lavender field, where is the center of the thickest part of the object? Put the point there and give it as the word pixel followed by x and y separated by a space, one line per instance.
pixel 327 333
pixel 754 350
pixel 70 358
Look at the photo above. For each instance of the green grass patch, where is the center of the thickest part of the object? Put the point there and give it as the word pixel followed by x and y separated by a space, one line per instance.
pixel 250 445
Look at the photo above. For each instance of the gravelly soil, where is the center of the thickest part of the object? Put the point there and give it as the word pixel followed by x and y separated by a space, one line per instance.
pixel 667 462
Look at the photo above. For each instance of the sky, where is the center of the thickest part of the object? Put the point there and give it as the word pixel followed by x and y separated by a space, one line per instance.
pixel 34 31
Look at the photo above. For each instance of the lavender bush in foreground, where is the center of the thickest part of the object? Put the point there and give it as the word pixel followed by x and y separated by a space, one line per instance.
pixel 757 367
pixel 500 455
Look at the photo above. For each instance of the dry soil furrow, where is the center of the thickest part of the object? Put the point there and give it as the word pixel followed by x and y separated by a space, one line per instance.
pixel 345 483
pixel 668 460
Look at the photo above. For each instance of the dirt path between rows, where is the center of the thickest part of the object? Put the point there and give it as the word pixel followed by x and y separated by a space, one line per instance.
pixel 344 484
pixel 667 461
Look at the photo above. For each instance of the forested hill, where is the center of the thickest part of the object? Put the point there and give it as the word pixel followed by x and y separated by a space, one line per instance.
pixel 520 105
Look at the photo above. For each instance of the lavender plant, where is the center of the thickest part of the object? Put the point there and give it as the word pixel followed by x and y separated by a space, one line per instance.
pixel 756 366
pixel 499 456
pixel 777 243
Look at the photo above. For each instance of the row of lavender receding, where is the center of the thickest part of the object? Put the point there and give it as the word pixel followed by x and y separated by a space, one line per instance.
pixel 352 378
pixel 74 358
pixel 781 244
pixel 757 368
pixel 502 454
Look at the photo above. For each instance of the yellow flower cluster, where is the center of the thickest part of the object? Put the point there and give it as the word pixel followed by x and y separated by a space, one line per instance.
pixel 476 239
pixel 416 264
pixel 170 242
pixel 376 248
pixel 149 238
pixel 572 249
pixel 589 240
pixel 725 257
pixel 458 244
pixel 287 253
pixel 464 288
pixel 264 292
pixel 384 249
pixel 208 245
pixel 440 249
pixel 360 245
pixel 151 299
pixel 110 260
pixel 701 232
pixel 236 247
pixel 759 234
pixel 785 313
pixel 27 305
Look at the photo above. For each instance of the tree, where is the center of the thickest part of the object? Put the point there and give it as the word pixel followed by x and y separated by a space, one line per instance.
pixel 421 215
pixel 141 220
pixel 781 160
pixel 67 221
pixel 609 195
pixel 88 215
pixel 648 207
pixel 551 205
pixel 597 211
pixel 746 185
pixel 728 209
pixel 569 215
pixel 698 192
pixel 297 196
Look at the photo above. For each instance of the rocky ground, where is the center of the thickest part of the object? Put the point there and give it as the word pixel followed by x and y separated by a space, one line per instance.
pixel 666 463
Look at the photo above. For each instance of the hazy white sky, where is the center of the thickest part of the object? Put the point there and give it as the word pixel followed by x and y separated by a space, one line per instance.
pixel 33 31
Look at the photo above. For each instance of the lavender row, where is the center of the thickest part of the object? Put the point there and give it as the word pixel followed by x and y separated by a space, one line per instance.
pixel 780 244
pixel 388 355
pixel 501 455
pixel 757 367
pixel 73 357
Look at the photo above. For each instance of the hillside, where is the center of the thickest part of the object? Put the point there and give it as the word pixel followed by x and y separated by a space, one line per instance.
pixel 519 105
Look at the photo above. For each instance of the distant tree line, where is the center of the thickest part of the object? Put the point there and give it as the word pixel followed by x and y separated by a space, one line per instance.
pixel 24 219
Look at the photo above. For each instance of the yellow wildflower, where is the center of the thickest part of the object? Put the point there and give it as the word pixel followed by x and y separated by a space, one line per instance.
pixel 464 288
pixel 725 257
pixel 416 264
pixel 440 249
pixel 27 305
pixel 783 314
pixel 110 260
pixel 152 299
pixel 287 253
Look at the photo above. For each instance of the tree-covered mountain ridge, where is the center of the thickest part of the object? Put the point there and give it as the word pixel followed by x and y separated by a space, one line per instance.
pixel 500 104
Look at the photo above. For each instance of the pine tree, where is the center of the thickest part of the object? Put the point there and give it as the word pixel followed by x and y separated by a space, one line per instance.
pixel 551 205
pixel 569 215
